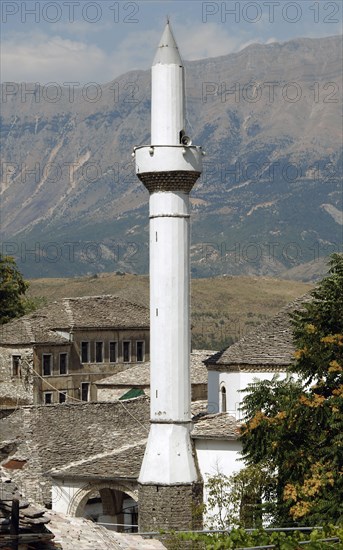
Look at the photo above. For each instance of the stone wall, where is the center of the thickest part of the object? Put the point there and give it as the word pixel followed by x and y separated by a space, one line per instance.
pixel 173 507
pixel 16 390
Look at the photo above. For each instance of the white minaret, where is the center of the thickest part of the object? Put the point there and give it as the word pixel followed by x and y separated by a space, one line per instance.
pixel 169 167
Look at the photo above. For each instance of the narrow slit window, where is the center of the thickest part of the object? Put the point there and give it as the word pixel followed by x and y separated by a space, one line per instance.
pixel 223 399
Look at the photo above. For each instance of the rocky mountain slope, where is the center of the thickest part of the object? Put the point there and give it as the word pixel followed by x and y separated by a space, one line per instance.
pixel 270 197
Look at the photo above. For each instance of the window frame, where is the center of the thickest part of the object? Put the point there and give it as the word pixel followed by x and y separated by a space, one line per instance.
pixel 102 351
pixel 143 351
pixel 51 364
pixel 16 373
pixel 129 349
pixel 62 392
pixel 223 399
pixel 88 393
pixel 66 365
pixel 115 342
pixel 88 351
pixel 45 394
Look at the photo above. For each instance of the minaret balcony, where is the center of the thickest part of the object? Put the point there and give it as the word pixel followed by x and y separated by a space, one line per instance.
pixel 168 167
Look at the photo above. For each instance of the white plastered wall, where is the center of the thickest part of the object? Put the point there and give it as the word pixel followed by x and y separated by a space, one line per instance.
pixel 233 382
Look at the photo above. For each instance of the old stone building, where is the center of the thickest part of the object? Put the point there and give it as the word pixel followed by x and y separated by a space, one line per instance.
pixel 267 350
pixel 57 353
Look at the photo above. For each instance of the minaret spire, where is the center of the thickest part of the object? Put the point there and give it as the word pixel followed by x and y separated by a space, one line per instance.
pixel 167 50
pixel 169 168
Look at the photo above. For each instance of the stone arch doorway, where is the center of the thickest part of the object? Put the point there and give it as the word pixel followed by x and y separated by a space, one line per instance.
pixel 113 504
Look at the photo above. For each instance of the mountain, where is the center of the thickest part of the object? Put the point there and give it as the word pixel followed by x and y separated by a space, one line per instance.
pixel 269 199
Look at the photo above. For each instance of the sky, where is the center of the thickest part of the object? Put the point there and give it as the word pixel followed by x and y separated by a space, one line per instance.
pixel 84 41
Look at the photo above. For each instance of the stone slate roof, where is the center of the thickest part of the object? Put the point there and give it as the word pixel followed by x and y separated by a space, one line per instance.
pixel 31 518
pixel 88 312
pixel 215 426
pixel 90 439
pixel 139 375
pixel 270 344
pixel 13 395
pixel 124 462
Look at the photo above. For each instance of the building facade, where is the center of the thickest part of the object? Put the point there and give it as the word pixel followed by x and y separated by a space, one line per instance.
pixel 57 354
pixel 266 351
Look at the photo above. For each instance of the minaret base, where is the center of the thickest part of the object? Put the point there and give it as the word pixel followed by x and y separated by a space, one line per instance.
pixel 170 507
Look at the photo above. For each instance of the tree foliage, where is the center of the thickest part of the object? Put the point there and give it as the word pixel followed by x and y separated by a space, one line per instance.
pixel 241 499
pixel 328 538
pixel 297 424
pixel 13 301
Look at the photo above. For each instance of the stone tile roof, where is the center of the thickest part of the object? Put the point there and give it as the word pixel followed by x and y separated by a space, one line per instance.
pixel 124 462
pixel 215 426
pixel 139 375
pixel 104 438
pixel 87 312
pixel 76 533
pixel 13 395
pixel 270 344
pixel 29 329
pixel 31 518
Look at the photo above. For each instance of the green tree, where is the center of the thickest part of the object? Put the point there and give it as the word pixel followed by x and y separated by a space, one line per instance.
pixel 241 499
pixel 297 424
pixel 12 290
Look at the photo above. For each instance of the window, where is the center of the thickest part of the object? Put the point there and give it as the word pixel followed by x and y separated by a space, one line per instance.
pixel 47 397
pixel 47 364
pixel 140 351
pixel 84 391
pixel 223 399
pixel 63 363
pixel 16 370
pixel 99 352
pixel 126 352
pixel 113 352
pixel 84 352
pixel 62 397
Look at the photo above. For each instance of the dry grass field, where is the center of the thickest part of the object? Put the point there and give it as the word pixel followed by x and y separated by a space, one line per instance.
pixel 223 308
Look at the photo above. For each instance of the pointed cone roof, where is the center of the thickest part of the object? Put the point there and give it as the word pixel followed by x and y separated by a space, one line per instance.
pixel 167 51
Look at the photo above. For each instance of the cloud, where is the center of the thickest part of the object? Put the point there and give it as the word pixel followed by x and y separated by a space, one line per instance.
pixel 38 57
pixel 210 40
pixel 82 28
pixel 43 58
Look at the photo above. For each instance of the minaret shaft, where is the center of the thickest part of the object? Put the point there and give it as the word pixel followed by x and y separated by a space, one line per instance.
pixel 169 307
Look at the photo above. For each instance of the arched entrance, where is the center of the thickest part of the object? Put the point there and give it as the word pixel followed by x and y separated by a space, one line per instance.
pixel 113 504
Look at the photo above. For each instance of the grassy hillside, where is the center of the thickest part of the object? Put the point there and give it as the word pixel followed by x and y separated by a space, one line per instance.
pixel 223 308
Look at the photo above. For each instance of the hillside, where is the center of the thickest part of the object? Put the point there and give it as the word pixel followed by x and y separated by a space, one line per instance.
pixel 223 308
pixel 269 199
